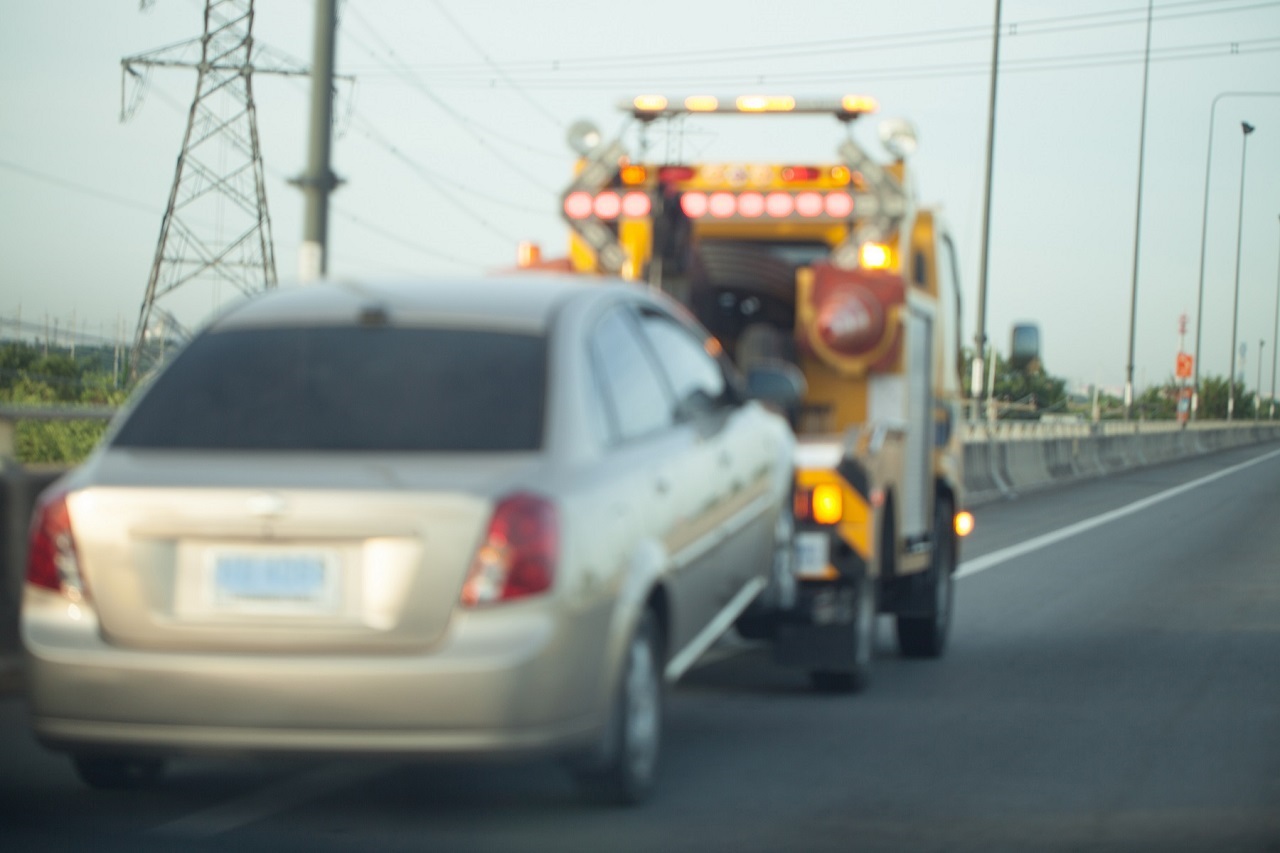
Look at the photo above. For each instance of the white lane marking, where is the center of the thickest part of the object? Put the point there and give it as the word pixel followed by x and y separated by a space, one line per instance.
pixel 268 801
pixel 995 558
pixel 699 644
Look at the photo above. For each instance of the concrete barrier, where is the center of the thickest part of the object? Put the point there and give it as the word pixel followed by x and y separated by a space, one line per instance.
pixel 1010 461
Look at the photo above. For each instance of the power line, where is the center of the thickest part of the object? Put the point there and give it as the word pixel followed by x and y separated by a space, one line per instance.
pixel 497 68
pixel 1208 50
pixel 83 189
pixel 477 130
pixel 890 41
pixel 403 241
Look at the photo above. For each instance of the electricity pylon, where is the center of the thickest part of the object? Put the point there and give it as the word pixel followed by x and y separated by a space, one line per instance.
pixel 216 229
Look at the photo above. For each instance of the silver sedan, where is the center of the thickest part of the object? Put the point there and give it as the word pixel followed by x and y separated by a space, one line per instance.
pixel 489 516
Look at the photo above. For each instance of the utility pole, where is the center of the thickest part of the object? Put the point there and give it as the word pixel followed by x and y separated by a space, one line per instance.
pixel 218 178
pixel 980 336
pixel 1235 305
pixel 318 181
pixel 1137 226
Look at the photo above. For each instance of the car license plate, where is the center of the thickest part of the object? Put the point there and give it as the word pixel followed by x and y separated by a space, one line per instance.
pixel 274 582
pixel 812 554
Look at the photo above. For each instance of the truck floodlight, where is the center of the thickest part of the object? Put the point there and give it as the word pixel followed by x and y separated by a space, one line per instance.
pixel 702 103
pixel 765 103
pixel 649 103
pixel 583 137
pixel 859 104
pixel 898 136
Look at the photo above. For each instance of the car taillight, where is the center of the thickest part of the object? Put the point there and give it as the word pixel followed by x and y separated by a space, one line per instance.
pixel 52 562
pixel 518 555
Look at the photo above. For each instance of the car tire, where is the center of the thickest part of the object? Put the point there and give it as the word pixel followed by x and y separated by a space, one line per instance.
pixel 625 772
pixel 925 636
pixel 858 674
pixel 112 772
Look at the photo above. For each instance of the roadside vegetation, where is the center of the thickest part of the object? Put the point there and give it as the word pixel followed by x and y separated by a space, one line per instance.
pixel 34 375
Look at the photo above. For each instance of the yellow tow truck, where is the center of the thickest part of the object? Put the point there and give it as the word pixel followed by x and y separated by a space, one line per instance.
pixel 833 268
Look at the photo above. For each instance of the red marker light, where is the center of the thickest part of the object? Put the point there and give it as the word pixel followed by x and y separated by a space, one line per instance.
pixel 722 205
pixel 839 205
pixel 675 174
pixel 608 205
pixel 577 205
pixel 800 173
pixel 779 205
pixel 750 205
pixel 694 205
pixel 636 205
pixel 809 204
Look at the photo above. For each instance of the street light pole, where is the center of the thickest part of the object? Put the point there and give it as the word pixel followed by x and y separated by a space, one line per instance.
pixel 1257 397
pixel 1235 305
pixel 1137 226
pixel 977 376
pixel 1275 332
pixel 1204 230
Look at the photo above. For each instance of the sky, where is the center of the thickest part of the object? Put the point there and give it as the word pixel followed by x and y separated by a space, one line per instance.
pixel 450 140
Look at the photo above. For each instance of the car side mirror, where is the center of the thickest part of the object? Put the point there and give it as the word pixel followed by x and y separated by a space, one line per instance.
pixel 778 384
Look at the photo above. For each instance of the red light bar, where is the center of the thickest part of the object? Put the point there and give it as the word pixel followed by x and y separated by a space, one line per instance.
pixel 675 174
pixel 800 173
pixel 608 205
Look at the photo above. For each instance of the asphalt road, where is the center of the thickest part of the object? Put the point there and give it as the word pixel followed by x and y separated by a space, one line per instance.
pixel 1113 683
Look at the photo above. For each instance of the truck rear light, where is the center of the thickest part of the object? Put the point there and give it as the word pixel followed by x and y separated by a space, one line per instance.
pixel 607 205
pixel 779 205
pixel 52 561
pixel 676 174
pixel 792 174
pixel 694 205
pixel 809 204
pixel 518 556
pixel 838 205
pixel 822 504
pixel 722 205
pixel 577 205
pixel 750 205
pixel 636 205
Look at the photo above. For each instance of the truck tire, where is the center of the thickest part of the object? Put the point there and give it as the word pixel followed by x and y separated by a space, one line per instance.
pixel 925 636
pixel 858 673
pixel 624 770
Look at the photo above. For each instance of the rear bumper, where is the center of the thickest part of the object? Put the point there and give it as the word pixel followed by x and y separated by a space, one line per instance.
pixel 520 683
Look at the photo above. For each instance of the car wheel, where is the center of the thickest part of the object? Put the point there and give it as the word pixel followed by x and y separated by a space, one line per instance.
pixel 626 774
pixel 926 636
pixel 110 772
pixel 856 676
pixel 759 621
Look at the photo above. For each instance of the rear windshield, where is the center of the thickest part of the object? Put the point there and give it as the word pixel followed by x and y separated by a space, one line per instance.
pixel 347 388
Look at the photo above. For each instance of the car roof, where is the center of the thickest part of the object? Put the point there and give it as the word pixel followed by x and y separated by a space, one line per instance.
pixel 516 302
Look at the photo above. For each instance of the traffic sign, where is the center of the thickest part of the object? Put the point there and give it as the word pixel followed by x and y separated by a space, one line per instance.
pixel 1184 366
